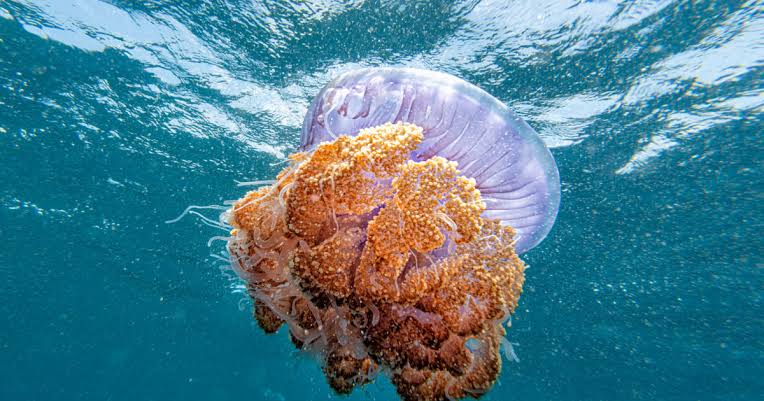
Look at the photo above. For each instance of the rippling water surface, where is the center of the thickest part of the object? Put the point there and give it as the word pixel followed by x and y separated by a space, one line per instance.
pixel 116 115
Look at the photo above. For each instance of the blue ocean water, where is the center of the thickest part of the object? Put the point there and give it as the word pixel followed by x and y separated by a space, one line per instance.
pixel 117 115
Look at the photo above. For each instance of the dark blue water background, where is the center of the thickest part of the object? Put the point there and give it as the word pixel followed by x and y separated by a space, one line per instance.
pixel 116 115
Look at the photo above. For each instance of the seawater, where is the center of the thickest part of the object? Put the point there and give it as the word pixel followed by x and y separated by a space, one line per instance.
pixel 117 115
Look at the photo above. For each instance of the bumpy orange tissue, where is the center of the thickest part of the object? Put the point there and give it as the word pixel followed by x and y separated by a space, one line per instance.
pixel 378 262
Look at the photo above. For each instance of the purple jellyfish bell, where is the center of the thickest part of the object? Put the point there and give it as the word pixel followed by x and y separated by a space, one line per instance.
pixel 515 172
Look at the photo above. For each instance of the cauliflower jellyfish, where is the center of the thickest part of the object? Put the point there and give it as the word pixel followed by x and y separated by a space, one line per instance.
pixel 390 242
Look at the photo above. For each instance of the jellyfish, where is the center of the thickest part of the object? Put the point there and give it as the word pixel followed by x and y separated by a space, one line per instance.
pixel 390 242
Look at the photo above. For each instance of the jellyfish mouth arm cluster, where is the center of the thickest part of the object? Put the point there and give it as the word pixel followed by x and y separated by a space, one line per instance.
pixel 376 262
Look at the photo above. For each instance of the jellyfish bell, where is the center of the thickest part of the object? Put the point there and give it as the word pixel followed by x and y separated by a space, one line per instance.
pixel 390 242
pixel 515 172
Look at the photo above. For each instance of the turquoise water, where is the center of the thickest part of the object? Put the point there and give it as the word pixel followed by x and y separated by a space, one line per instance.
pixel 116 115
